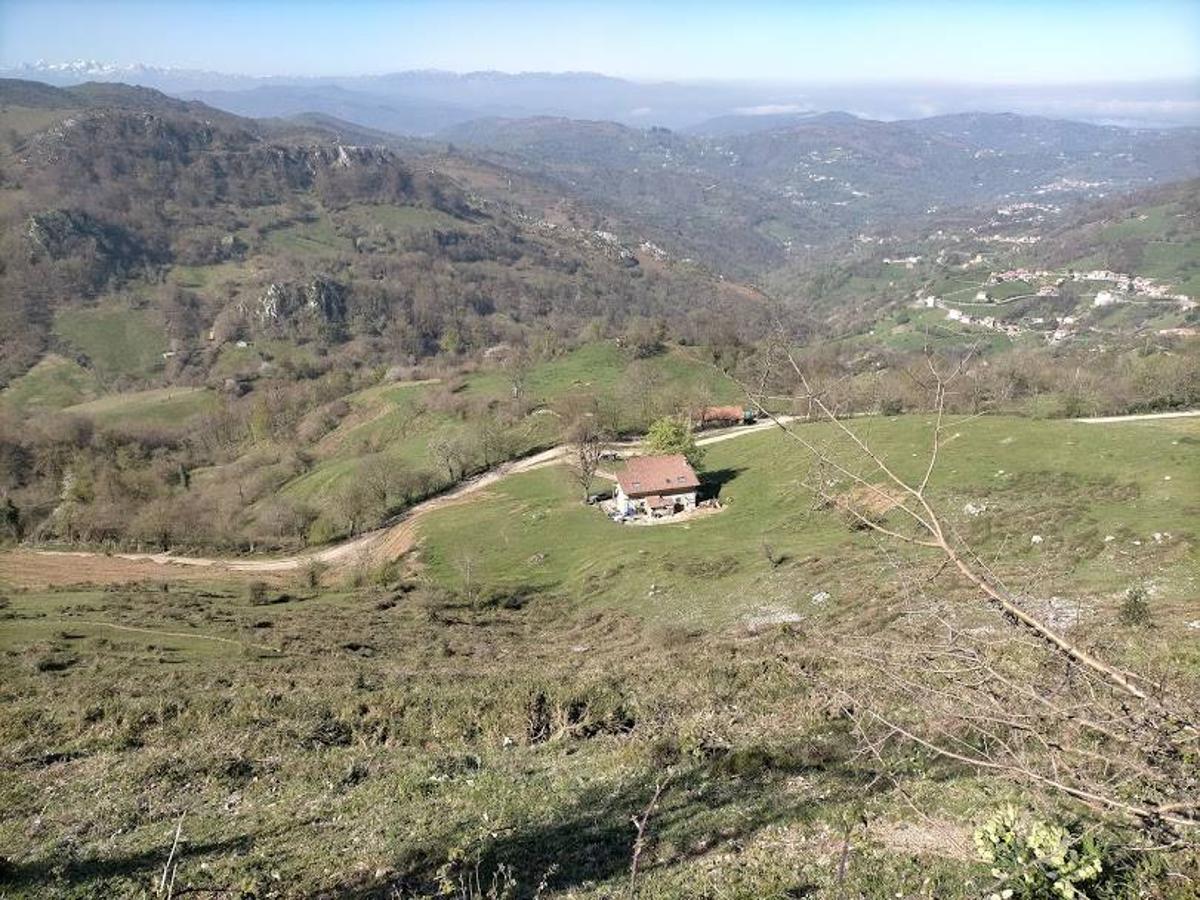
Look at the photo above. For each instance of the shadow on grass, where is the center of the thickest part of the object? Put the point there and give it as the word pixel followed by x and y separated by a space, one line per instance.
pixel 41 877
pixel 590 841
pixel 712 482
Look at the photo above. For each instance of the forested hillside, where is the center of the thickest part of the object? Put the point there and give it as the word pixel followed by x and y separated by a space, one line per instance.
pixel 751 201
pixel 227 229
pixel 330 565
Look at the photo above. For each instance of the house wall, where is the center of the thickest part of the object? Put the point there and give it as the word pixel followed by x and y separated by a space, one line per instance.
pixel 637 505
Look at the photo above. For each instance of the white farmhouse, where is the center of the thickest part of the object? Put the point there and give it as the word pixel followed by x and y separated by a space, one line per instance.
pixel 656 486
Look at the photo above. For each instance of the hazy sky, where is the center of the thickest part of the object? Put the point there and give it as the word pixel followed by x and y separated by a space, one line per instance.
pixel 955 40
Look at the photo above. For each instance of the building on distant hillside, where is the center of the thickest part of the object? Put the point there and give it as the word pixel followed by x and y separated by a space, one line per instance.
pixel 656 486
pixel 717 416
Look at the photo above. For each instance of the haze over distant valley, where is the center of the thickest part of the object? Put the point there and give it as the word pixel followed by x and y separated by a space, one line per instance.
pixel 421 102
pixel 569 451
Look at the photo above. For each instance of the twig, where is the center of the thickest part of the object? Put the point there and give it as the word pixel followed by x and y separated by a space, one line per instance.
pixel 844 859
pixel 162 883
pixel 640 823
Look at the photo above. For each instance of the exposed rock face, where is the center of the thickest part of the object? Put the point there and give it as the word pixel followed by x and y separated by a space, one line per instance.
pixel 324 299
pixel 96 251
pixel 60 232
pixel 158 153
pixel 319 301
pixel 273 305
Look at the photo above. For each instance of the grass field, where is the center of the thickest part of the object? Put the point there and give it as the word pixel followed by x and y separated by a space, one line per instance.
pixel 401 741
pixel 397 422
pixel 234 361
pixel 398 220
pixel 117 340
pixel 211 276
pixel 912 330
pixel 160 406
pixel 1071 483
pixel 396 738
pixel 24 120
pixel 1166 243
pixel 53 383
pixel 318 237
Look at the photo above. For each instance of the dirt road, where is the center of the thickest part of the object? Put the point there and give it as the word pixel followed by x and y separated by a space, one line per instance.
pixel 31 567
pixel 1140 417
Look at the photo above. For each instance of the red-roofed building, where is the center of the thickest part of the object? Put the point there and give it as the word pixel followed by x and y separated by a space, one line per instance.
pixel 721 416
pixel 656 486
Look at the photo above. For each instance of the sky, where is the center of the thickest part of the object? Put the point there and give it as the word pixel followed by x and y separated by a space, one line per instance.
pixel 1013 42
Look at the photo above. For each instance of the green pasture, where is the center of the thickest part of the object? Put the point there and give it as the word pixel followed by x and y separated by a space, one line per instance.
pixel 117 340
pixel 53 383
pixel 1071 484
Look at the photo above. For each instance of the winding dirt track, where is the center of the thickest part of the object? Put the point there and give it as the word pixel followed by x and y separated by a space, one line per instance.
pixel 393 540
pixel 35 567
pixel 388 542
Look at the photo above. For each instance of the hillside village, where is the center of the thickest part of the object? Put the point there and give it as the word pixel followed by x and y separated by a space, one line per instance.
pixel 1106 289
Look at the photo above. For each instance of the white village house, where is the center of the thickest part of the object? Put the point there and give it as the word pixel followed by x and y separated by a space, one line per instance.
pixel 656 486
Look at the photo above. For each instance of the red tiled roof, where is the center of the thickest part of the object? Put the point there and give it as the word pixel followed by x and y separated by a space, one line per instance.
pixel 721 414
pixel 646 475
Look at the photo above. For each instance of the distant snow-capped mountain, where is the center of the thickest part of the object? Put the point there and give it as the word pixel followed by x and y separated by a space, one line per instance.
pixel 164 78
pixel 423 101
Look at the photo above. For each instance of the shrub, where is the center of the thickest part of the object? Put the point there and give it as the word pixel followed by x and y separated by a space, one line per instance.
pixel 671 435
pixel 1033 859
pixel 1135 608
pixel 312 573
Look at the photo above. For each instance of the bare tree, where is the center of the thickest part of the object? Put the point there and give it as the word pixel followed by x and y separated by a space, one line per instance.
pixel 587 439
pixel 380 478
pixel 1041 709
pixel 517 367
pixel 447 452
pixel 491 437
pixel 586 459
pixel 355 507
pixel 466 561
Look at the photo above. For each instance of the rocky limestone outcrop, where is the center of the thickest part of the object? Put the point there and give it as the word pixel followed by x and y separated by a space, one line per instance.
pixel 91 250
pixel 318 300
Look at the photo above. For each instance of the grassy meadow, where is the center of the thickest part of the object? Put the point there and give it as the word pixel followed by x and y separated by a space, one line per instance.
pixel 438 723
pixel 391 741
pixel 53 383
pixel 116 340
pixel 396 423
pixel 1096 495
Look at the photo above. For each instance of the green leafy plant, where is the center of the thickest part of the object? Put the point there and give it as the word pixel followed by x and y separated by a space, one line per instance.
pixel 1135 608
pixel 671 435
pixel 1034 859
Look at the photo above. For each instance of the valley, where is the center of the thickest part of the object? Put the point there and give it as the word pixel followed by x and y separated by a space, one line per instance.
pixel 325 570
